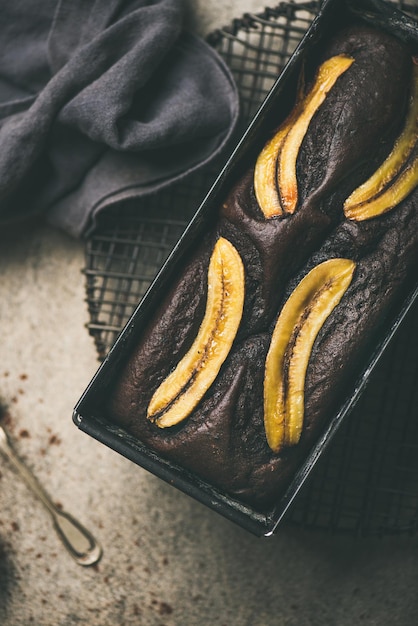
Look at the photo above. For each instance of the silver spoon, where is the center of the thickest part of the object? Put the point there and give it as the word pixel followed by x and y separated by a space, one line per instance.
pixel 79 542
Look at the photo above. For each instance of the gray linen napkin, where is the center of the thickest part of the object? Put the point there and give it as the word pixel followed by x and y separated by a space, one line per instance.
pixel 101 101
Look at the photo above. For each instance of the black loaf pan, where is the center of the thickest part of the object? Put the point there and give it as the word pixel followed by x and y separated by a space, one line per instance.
pixel 90 411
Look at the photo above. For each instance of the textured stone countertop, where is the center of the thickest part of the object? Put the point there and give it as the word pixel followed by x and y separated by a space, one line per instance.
pixel 167 559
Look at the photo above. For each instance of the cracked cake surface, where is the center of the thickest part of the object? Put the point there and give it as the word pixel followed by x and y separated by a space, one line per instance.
pixel 211 346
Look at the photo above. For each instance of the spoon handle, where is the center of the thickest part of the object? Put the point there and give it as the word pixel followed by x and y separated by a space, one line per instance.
pixel 79 542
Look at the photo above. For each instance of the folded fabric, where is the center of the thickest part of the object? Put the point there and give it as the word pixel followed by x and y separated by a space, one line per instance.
pixel 103 101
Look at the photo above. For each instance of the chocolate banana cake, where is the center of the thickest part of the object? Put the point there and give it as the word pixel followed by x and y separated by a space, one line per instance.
pixel 265 328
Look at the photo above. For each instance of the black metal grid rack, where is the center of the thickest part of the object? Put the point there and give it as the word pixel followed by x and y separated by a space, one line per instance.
pixel 367 481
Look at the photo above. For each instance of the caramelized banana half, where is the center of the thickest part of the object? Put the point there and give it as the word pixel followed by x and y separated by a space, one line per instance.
pixel 265 174
pixel 398 174
pixel 293 337
pixel 275 182
pixel 182 390
pixel 327 76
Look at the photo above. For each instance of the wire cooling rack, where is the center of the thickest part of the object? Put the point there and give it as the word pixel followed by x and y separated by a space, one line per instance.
pixel 367 481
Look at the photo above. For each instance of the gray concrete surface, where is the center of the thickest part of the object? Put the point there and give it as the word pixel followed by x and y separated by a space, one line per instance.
pixel 168 561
